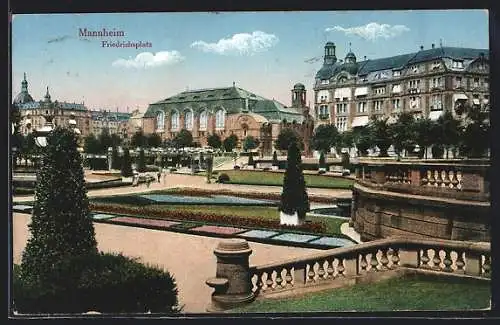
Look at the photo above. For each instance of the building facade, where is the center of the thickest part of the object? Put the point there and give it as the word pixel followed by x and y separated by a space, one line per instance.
pixel 33 113
pixel 426 83
pixel 226 111
pixel 114 122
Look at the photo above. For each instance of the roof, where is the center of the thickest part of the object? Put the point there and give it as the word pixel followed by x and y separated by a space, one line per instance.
pixel 400 61
pixel 63 105
pixel 117 116
pixel 23 97
pixel 275 111
pixel 210 94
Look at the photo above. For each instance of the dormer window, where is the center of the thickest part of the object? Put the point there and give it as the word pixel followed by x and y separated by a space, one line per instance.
pixel 413 69
pixel 325 82
pixel 397 73
pixel 342 79
pixel 458 64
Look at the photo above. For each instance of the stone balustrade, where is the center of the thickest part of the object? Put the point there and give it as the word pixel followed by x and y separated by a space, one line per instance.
pixel 368 262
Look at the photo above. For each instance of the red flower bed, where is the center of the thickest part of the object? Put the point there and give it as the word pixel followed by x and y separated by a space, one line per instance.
pixel 155 212
pixel 147 222
pixel 264 196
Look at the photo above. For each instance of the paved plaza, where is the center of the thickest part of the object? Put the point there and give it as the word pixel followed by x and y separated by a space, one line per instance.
pixel 188 257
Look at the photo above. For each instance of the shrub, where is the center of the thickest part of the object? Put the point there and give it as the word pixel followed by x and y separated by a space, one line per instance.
pixel 322 162
pixel 126 164
pixel 141 161
pixel 103 282
pixel 223 178
pixel 437 151
pixel 236 167
pixel 250 159
pixel 275 159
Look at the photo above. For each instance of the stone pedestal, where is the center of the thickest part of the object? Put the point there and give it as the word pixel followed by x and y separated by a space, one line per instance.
pixel 232 283
pixel 290 219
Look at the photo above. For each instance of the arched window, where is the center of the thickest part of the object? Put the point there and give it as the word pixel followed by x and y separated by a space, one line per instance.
pixel 174 120
pixel 203 120
pixel 188 120
pixel 160 120
pixel 220 117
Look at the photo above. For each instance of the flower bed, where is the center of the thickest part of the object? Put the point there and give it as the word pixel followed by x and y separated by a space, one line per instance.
pixel 266 196
pixel 155 212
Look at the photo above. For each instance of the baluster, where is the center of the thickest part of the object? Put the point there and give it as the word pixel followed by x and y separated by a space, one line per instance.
pixel 288 277
pixel 439 181
pixel 363 264
pixel 430 176
pixel 395 257
pixel 279 280
pixel 446 180
pixel 423 178
pixel 340 267
pixel 321 271
pixel 374 262
pixel 425 259
pixel 453 178
pixel 311 274
pixel 486 266
pixel 460 263
pixel 447 261
pixel 459 180
pixel 262 282
pixel 269 281
pixel 436 259
pixel 408 177
pixel 329 270
pixel 384 260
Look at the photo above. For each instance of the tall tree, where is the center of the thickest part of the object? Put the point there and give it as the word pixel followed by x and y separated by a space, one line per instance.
pixel 286 137
pixel 230 142
pixel 402 133
pixel 363 139
pixel 324 138
pixel 275 159
pixel 61 225
pixel 476 134
pixel 322 161
pixel 214 141
pixel 115 159
pixel 138 140
pixel 250 143
pixel 183 139
pixel 105 141
pixel 294 196
pixel 126 170
pixel 448 131
pixel 154 140
pixel 91 144
pixel 424 134
pixel 381 133
pixel 116 141
pixel 141 161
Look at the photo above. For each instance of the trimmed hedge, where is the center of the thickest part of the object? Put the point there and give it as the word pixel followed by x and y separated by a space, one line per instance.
pixel 107 283
pixel 157 212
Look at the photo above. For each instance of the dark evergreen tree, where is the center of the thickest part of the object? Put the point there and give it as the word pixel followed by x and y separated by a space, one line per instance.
pixel 325 136
pixel 154 140
pixel 141 161
pixel 183 139
pixel 214 141
pixel 230 142
pixel 250 143
pixel 294 195
pixel 250 159
pixel 115 159
pixel 381 134
pixel 61 225
pixel 285 138
pixel 126 164
pixel 322 162
pixel 275 159
pixel 138 140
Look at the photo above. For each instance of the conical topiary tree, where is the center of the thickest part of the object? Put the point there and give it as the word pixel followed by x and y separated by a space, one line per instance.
pixel 115 159
pixel 294 196
pixel 126 164
pixel 275 159
pixel 250 159
pixel 322 162
pixel 61 225
pixel 141 161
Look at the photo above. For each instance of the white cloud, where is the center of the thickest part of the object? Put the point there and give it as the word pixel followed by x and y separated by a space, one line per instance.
pixel 372 31
pixel 149 60
pixel 241 44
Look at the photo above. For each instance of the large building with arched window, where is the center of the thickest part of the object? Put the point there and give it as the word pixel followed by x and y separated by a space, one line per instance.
pixel 225 111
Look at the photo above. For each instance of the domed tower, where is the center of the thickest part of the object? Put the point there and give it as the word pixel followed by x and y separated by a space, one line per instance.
pixel 350 64
pixel 299 96
pixel 23 96
pixel 47 96
pixel 330 57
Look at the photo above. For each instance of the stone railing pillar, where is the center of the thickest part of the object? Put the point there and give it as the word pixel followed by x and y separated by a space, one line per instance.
pixel 415 176
pixel 232 283
pixel 378 175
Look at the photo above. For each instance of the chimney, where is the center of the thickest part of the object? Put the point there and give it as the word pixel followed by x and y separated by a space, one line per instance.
pixel 421 47
pixel 432 45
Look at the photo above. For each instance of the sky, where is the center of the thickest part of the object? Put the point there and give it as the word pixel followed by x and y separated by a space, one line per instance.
pixel 265 53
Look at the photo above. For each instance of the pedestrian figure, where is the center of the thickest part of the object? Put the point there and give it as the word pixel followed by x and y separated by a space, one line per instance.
pixel 159 175
pixel 164 177
pixel 148 181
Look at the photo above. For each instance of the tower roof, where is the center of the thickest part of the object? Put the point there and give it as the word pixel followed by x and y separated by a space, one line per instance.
pixel 299 86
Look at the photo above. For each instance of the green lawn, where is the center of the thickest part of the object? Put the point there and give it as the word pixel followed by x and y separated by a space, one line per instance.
pixel 419 293
pixel 273 178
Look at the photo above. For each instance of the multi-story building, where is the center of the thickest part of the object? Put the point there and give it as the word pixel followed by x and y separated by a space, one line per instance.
pixel 426 83
pixel 114 122
pixel 33 113
pixel 225 111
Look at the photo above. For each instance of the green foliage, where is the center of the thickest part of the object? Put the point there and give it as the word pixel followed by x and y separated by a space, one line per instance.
pixel 363 139
pixel 61 226
pixel 437 151
pixel 424 134
pixel 154 140
pixel 402 133
pixel 250 143
pixel 183 139
pixel 324 138
pixel 448 131
pixel 344 140
pixel 476 134
pixel 230 142
pixel 105 141
pixel 116 141
pixel 322 161
pixel 285 138
pixel 103 282
pixel 115 159
pixel 91 144
pixel 294 196
pixel 250 159
pixel 381 133
pixel 214 141
pixel 141 161
pixel 275 159
pixel 139 140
